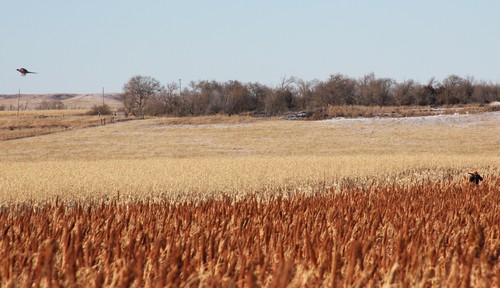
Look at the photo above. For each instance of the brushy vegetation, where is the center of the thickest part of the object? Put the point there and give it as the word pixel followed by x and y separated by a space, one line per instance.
pixel 144 95
pixel 354 111
pixel 100 110
pixel 421 234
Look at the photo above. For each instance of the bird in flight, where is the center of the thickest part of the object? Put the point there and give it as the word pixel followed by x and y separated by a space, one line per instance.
pixel 24 71
pixel 475 177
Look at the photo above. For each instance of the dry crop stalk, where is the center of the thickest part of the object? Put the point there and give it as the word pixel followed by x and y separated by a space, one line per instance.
pixel 335 239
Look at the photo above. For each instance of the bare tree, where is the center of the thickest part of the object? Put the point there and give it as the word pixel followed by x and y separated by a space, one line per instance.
pixel 457 89
pixel 51 105
pixel 405 93
pixel 278 101
pixel 258 93
pixel 286 82
pixel 169 98
pixel 427 93
pixel 239 99
pixel 138 91
pixel 338 90
pixel 485 92
pixel 283 97
pixel 452 86
pixel 306 91
pixel 210 98
pixel 373 91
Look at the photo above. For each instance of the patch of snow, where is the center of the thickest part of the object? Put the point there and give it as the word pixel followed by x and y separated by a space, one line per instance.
pixel 457 119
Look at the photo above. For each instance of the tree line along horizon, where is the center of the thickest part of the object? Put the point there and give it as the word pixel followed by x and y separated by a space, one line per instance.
pixel 144 95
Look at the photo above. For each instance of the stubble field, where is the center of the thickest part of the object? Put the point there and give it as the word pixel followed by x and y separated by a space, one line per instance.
pixel 367 194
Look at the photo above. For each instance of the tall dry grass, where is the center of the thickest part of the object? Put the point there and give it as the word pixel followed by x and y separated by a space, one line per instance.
pixel 42 122
pixel 200 179
pixel 239 201
pixel 422 234
pixel 196 158
pixel 352 111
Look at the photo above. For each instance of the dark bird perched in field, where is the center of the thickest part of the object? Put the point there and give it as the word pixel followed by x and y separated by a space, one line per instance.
pixel 475 177
pixel 25 71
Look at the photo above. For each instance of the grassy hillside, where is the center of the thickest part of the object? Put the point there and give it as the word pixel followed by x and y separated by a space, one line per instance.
pixel 182 159
pixel 70 101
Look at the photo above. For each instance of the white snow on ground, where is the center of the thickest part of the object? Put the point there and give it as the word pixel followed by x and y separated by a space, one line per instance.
pixel 453 119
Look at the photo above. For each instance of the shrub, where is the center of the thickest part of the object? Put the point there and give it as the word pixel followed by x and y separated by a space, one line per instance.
pixel 100 110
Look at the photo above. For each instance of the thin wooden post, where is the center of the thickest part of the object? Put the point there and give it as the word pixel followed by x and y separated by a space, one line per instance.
pixel 18 99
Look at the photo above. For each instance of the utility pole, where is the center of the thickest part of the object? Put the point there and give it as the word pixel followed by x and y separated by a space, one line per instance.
pixel 18 99
pixel 180 87
pixel 102 96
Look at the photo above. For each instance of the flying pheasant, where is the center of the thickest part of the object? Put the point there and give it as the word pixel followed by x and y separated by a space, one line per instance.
pixel 24 71
pixel 475 177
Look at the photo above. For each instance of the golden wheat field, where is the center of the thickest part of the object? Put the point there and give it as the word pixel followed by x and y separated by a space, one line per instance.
pixel 247 202
pixel 197 158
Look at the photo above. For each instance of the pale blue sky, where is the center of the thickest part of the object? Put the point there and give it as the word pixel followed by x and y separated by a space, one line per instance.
pixel 82 46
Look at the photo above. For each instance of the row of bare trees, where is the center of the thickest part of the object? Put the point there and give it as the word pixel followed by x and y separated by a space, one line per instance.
pixel 144 95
